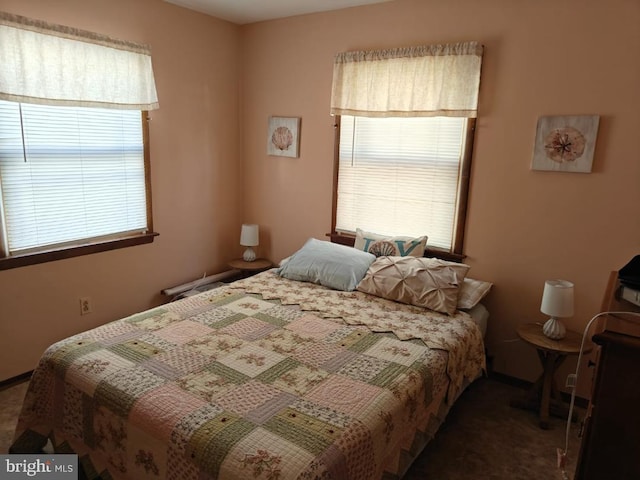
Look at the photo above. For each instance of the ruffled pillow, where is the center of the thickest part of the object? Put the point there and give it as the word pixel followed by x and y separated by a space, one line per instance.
pixel 423 282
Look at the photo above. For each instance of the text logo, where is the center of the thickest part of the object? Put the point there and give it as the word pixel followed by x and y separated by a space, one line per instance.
pixel 49 467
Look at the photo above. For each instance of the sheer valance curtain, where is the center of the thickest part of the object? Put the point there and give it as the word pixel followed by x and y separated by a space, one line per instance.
pixel 422 81
pixel 52 64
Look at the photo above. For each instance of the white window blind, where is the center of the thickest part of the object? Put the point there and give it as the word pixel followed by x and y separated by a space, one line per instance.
pixel 400 176
pixel 70 173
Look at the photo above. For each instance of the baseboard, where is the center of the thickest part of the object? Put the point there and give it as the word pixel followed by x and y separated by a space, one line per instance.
pixel 10 382
pixel 524 384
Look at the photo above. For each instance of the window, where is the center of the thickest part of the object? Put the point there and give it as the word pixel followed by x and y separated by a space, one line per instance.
pixel 405 123
pixel 70 174
pixel 402 176
pixel 74 159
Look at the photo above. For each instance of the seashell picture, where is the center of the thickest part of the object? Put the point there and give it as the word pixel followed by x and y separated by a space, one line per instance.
pixel 565 143
pixel 283 138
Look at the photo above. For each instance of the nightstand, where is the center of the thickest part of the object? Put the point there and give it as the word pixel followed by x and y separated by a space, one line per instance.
pixel 250 268
pixel 552 353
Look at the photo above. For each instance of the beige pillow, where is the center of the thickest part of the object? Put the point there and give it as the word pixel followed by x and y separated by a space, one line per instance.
pixel 423 282
pixel 471 292
pixel 380 245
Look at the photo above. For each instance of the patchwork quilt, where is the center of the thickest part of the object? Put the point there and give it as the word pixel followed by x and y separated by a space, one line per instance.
pixel 264 378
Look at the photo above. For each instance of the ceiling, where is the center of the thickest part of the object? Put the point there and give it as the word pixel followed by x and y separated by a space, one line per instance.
pixel 250 11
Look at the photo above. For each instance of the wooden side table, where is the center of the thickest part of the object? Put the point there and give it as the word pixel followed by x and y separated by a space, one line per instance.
pixel 250 268
pixel 552 353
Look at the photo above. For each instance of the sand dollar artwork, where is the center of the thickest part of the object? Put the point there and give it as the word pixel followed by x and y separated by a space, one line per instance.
pixel 282 138
pixel 564 144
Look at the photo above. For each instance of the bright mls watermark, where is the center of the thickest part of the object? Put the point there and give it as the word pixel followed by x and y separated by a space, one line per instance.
pixel 41 467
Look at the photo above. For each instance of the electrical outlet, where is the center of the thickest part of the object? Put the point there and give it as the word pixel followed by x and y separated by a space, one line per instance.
pixel 86 306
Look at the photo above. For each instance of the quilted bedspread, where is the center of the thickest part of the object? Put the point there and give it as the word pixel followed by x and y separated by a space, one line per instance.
pixel 265 378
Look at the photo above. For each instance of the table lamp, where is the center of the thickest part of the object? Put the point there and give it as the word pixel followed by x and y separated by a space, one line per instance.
pixel 249 238
pixel 557 302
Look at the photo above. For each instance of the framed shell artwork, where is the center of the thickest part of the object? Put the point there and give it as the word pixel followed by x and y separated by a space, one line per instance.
pixel 284 137
pixel 565 143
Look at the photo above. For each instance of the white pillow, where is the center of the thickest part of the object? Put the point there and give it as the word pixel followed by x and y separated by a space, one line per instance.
pixel 471 292
pixel 329 264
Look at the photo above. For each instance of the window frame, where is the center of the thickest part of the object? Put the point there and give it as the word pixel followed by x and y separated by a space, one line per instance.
pixel 92 245
pixel 464 182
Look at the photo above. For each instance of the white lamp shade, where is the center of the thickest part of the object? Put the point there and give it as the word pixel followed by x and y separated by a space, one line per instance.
pixel 249 236
pixel 557 298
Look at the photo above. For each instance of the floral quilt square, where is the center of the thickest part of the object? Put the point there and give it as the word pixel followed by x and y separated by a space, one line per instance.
pixel 149 457
pixel 364 367
pixel 404 353
pixel 216 345
pixel 286 313
pixel 71 421
pixel 207 385
pixel 212 316
pixel 189 304
pixel 249 328
pixel 90 369
pixel 313 327
pixel 154 319
pixel 247 397
pixel 183 359
pixel 179 467
pixel 326 414
pixel 255 457
pixel 189 424
pixel 160 344
pixel 132 381
pixel 300 380
pixel 251 360
pixel 316 354
pixel 183 332
pixel 283 341
pixel 249 305
pixel 110 330
pixel 343 394
pixel 109 437
pixel 160 409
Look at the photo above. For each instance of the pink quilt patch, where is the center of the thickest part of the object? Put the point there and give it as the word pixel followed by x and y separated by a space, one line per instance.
pixel 183 332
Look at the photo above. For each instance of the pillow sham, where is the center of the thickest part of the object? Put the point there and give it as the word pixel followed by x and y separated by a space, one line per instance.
pixel 423 282
pixel 329 264
pixel 381 245
pixel 471 292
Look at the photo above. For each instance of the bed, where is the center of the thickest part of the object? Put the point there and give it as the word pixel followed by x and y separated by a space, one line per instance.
pixel 266 377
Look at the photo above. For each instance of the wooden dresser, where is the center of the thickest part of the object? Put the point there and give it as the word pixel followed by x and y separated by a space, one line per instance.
pixel 611 441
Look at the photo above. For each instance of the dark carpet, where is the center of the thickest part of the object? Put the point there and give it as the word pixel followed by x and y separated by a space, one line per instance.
pixel 484 438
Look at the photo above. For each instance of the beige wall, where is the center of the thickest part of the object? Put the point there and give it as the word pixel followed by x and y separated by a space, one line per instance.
pixel 195 176
pixel 544 57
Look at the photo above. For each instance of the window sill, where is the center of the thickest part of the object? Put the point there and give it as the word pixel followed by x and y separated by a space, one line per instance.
pixel 22 260
pixel 349 240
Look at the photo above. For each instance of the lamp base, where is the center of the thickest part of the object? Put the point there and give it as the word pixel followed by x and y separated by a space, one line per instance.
pixel 249 255
pixel 554 329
